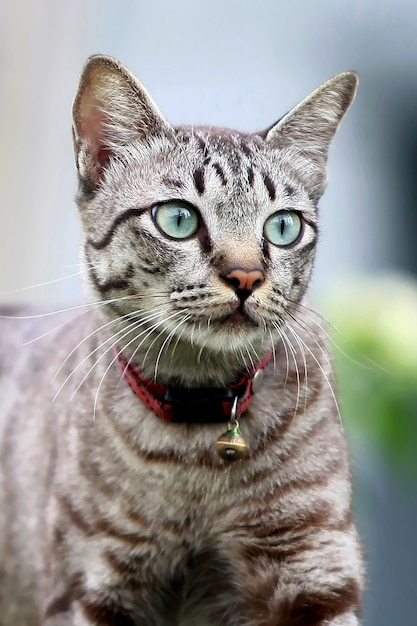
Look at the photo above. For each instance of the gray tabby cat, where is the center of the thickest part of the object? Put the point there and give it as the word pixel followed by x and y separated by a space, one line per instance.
pixel 117 507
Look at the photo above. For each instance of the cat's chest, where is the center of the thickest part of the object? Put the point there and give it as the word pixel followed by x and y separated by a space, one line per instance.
pixel 195 500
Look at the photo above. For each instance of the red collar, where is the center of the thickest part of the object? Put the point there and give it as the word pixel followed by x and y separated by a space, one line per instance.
pixel 201 405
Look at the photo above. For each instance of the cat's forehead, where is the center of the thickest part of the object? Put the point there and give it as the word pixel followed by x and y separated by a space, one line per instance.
pixel 232 164
pixel 211 143
pixel 235 160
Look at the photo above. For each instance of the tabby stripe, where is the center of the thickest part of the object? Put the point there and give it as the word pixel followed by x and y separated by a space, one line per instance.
pixel 58 537
pixel 307 248
pixel 198 176
pixel 105 614
pixel 319 520
pixel 101 526
pixel 120 282
pixel 111 283
pixel 120 219
pixel 294 528
pixel 299 485
pixel 251 176
pixel 118 310
pixel 171 182
pixel 294 546
pixel 312 224
pixel 93 475
pixel 310 482
pixel 85 188
pixel 206 458
pixel 132 538
pixel 130 568
pixel 313 607
pixel 276 550
pixel 75 516
pixel 63 602
pixel 221 173
pixel 245 148
pixel 270 185
pixel 289 190
pixel 108 285
pixel 202 144
pixel 274 436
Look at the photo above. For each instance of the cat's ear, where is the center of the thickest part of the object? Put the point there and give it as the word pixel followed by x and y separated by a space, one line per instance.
pixel 305 133
pixel 111 110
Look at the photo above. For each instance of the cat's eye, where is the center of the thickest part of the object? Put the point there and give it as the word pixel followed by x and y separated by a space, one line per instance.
pixel 178 220
pixel 283 228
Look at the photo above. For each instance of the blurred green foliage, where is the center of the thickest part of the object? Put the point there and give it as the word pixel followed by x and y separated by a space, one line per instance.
pixel 375 353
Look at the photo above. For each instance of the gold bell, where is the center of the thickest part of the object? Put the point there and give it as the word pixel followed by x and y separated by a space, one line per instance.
pixel 231 446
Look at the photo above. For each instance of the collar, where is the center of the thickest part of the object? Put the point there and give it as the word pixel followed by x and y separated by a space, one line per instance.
pixel 200 405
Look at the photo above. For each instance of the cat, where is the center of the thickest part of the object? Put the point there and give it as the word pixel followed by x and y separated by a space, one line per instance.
pixel 173 455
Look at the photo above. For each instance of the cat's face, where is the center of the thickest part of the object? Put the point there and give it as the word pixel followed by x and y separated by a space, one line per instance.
pixel 204 236
pixel 204 205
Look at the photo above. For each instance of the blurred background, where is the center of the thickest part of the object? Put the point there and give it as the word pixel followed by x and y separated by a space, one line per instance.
pixel 244 64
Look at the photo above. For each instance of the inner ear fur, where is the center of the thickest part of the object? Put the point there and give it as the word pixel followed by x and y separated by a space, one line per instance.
pixel 111 110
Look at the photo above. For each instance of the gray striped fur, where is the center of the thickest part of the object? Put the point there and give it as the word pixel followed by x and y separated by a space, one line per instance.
pixel 110 516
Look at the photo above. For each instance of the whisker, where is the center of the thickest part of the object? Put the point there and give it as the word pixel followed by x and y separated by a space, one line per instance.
pixel 309 332
pixel 274 359
pixel 95 304
pixel 176 344
pixel 280 332
pixel 126 330
pixel 300 344
pixel 202 348
pixel 326 379
pixel 54 329
pixel 373 364
pixel 155 339
pixel 82 270
pixel 167 342
pixel 293 352
pixel 129 329
pixel 43 284
pixel 250 356
pixel 94 332
pixel 147 331
pixel 90 354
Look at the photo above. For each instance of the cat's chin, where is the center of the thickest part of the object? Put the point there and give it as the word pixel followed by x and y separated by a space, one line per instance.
pixel 232 330
pixel 234 320
pixel 233 333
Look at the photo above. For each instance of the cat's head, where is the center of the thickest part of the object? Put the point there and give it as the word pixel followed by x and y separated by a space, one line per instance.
pixel 203 238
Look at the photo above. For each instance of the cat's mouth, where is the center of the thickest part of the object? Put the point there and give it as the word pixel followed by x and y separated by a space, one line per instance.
pixel 237 318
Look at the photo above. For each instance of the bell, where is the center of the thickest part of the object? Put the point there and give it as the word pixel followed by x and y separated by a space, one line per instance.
pixel 231 446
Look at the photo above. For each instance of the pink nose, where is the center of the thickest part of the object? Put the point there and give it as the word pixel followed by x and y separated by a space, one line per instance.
pixel 245 281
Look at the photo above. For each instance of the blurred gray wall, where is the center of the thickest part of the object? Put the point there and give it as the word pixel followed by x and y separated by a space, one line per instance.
pixel 235 63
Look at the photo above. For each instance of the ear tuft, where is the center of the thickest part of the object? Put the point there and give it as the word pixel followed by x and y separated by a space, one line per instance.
pixel 111 110
pixel 305 133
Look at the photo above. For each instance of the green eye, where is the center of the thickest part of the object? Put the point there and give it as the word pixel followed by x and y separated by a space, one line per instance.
pixel 283 228
pixel 176 219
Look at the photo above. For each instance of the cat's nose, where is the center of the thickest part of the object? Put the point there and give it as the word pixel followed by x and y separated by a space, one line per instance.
pixel 243 280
